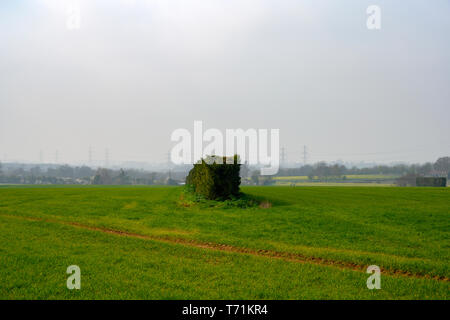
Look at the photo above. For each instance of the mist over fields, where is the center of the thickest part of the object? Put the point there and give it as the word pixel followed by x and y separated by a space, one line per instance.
pixel 137 70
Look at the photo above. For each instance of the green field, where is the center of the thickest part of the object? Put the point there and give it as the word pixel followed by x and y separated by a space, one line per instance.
pixel 306 183
pixel 351 180
pixel 348 176
pixel 146 243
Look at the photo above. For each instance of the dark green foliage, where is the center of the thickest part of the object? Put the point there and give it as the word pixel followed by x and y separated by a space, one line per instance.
pixel 215 179
pixel 431 182
pixel 190 198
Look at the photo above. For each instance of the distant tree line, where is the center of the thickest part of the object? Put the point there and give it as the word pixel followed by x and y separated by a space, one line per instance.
pixel 65 174
pixel 441 168
pixel 322 169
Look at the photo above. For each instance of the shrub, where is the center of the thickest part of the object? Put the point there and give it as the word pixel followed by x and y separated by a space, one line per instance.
pixel 215 181
pixel 431 182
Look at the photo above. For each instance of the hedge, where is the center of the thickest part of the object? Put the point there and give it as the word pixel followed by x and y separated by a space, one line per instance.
pixel 431 182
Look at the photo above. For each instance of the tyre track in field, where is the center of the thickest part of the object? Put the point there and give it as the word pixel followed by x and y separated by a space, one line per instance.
pixel 287 256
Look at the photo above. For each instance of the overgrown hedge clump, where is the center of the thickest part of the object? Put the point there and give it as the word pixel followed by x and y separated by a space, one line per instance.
pixel 215 179
pixel 431 182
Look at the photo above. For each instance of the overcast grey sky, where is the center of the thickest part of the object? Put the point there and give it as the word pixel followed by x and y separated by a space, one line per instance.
pixel 137 70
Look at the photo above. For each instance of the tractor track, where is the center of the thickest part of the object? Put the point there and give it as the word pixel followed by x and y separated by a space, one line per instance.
pixel 287 256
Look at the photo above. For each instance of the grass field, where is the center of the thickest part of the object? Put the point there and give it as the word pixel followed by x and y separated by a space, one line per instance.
pixel 145 243
pixel 351 180
pixel 348 176
pixel 306 183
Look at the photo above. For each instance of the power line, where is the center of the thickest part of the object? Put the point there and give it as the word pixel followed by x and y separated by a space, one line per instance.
pixel 90 155
pixel 305 154
pixel 106 157
pixel 419 149
pixel 283 155
pixel 169 160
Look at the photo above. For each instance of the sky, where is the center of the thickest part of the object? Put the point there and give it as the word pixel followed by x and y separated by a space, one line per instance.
pixel 133 71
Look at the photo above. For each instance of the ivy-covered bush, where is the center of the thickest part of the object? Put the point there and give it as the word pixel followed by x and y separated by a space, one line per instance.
pixel 216 178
